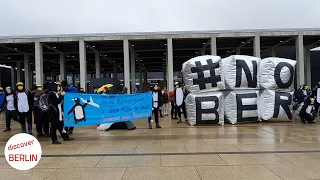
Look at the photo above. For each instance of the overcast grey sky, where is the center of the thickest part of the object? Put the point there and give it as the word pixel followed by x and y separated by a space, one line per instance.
pixel 47 17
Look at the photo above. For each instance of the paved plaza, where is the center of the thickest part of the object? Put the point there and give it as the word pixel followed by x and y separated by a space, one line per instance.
pixel 272 150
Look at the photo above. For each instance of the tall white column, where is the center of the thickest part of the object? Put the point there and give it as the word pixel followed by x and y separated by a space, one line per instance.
pixel 170 64
pixel 27 73
pixel 63 74
pixel 39 63
pixel 83 64
pixel 98 65
pixel 19 70
pixel 307 68
pixel 133 71
pixel 13 79
pixel 300 59
pixel 214 46
pixel 126 59
pixel 256 45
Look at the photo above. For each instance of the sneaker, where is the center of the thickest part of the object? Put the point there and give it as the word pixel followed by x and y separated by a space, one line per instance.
pixel 174 118
pixel 30 133
pixel 6 130
pixel 69 139
pixel 179 121
pixel 56 142
pixel 150 125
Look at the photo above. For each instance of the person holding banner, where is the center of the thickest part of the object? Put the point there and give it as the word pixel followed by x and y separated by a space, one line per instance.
pixel 56 114
pixel 156 97
pixel 63 86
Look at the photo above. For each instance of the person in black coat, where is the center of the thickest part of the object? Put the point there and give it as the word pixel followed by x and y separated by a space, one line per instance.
pixel 56 114
pixel 156 96
pixel 10 110
pixel 24 103
pixel 302 94
pixel 307 112
pixel 40 120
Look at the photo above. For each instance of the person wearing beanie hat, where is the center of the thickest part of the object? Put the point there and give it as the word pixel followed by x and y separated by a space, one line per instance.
pixel 10 110
pixel 23 104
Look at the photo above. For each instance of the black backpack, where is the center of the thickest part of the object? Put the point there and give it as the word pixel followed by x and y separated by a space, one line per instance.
pixel 44 104
pixel 36 99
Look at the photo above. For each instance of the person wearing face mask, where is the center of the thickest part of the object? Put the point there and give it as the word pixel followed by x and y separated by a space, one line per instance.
pixel 155 106
pixel 307 112
pixel 179 101
pixel 38 114
pixel 55 112
pixel 24 103
pixel 10 110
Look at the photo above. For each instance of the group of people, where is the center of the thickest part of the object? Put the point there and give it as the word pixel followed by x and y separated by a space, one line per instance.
pixel 307 103
pixel 161 100
pixel 21 103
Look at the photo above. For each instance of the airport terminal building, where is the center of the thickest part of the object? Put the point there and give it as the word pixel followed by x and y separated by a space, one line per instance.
pixel 138 58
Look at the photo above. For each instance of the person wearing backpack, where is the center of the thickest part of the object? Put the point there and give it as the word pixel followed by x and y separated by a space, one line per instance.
pixel 54 100
pixel 38 114
pixel 23 102
pixel 10 110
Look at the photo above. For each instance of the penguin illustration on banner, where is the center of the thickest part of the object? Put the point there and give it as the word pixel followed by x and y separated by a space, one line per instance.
pixel 78 109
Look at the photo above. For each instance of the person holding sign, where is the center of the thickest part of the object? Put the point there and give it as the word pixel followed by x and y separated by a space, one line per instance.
pixel 156 97
pixel 56 114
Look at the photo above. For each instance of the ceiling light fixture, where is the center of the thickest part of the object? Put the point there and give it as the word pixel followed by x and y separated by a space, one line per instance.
pixel 93 46
pixel 132 45
pixel 87 46
pixel 54 47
